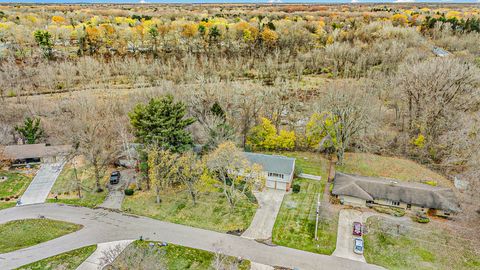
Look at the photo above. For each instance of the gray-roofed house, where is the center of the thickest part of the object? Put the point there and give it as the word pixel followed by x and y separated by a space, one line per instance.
pixel 278 170
pixel 22 154
pixel 364 191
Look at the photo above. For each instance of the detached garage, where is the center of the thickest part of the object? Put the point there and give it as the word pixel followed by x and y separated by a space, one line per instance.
pixel 278 170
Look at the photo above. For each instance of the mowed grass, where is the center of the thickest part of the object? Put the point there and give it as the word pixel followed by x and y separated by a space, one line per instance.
pixel 212 211
pixel 23 233
pixel 390 167
pixel 68 260
pixel 65 188
pixel 295 223
pixel 12 188
pixel 145 255
pixel 423 246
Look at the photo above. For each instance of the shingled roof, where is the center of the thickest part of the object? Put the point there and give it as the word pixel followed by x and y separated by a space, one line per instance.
pixel 371 188
pixel 272 163
pixel 41 150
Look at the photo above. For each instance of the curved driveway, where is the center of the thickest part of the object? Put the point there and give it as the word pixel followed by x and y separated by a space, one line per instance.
pixel 105 226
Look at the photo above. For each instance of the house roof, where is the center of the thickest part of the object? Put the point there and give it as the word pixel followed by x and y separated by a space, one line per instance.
pixel 41 150
pixel 272 163
pixel 370 188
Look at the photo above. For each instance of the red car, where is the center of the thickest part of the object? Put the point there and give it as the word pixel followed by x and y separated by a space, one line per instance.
pixel 357 228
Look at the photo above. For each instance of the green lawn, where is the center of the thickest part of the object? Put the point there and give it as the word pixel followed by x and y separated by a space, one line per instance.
pixel 423 246
pixel 295 223
pixel 12 188
pixel 23 233
pixel 212 211
pixel 66 187
pixel 68 260
pixel 140 254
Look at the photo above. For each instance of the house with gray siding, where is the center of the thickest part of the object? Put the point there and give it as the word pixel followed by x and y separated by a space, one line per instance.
pixel 278 170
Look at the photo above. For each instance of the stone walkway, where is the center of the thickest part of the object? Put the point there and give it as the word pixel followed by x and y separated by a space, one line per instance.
pixel 42 183
pixel 104 255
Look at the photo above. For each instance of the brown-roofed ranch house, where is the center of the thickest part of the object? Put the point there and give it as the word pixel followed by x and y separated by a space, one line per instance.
pixel 22 154
pixel 364 191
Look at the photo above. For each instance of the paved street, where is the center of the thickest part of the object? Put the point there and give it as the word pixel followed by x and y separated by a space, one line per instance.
pixel 39 188
pixel 105 226
pixel 269 202
pixel 345 235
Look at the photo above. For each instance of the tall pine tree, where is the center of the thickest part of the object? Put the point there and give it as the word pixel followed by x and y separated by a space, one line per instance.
pixel 162 123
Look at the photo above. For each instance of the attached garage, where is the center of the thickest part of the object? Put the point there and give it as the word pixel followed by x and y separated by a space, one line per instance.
pixel 278 170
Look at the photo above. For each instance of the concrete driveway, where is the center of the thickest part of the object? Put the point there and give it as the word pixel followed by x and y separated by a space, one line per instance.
pixel 269 202
pixel 345 236
pixel 116 192
pixel 42 183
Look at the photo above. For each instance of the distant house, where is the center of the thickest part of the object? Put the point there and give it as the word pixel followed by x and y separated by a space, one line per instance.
pixel 440 52
pixel 369 191
pixel 22 154
pixel 278 170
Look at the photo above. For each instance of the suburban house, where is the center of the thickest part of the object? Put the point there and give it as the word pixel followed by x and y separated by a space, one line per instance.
pixel 278 170
pixel 22 154
pixel 364 191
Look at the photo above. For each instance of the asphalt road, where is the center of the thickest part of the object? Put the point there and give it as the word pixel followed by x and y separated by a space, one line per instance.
pixel 105 226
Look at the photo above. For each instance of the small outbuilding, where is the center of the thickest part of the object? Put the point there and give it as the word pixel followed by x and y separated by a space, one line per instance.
pixel 278 170
pixel 364 191
pixel 22 154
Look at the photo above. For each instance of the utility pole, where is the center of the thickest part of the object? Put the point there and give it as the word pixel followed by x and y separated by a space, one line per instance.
pixel 318 214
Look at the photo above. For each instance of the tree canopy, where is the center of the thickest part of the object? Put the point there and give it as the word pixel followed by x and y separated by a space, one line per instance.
pixel 162 122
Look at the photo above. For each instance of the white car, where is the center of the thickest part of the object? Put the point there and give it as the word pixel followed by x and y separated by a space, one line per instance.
pixel 358 245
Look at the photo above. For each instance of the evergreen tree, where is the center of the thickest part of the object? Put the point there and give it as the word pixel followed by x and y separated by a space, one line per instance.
pixel 162 122
pixel 30 130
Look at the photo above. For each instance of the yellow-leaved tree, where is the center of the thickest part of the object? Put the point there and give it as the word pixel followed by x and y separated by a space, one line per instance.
pixel 264 137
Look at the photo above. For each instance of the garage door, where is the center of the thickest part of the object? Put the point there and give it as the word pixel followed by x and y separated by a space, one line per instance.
pixel 276 185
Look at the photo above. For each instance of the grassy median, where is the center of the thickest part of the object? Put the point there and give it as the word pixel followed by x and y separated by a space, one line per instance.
pixel 24 233
pixel 68 260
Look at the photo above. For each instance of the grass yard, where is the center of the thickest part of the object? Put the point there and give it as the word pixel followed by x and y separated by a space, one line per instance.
pixel 423 246
pixel 212 211
pixel 66 187
pixel 24 233
pixel 68 260
pixel 295 224
pixel 12 188
pixel 140 254
pixel 390 167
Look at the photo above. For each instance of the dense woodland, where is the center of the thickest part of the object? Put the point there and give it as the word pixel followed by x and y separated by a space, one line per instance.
pixel 269 77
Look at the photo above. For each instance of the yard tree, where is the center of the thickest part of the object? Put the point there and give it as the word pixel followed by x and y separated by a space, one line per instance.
pixel 264 136
pixel 163 169
pixel 162 122
pixel 92 130
pixel 234 171
pixel 190 170
pixel 31 130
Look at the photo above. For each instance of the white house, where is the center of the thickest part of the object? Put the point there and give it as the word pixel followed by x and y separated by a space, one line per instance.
pixel 278 170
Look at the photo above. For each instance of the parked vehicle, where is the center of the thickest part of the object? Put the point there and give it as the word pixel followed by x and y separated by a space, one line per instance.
pixel 114 177
pixel 357 228
pixel 358 245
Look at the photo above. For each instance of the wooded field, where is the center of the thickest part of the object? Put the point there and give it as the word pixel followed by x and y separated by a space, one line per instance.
pixel 328 78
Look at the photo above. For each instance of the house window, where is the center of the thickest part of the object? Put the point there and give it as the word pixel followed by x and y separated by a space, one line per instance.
pixel 395 203
pixel 277 175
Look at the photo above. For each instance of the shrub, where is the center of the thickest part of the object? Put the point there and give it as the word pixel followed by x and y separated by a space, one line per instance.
pixel 421 218
pixel 296 188
pixel 129 192
pixel 298 170
pixel 431 183
pixel 331 188
pixel 396 212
